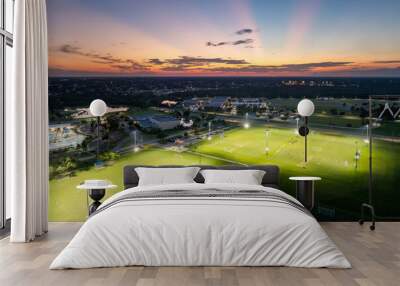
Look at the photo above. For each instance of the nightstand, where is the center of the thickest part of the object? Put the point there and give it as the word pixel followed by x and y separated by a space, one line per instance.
pixel 305 190
pixel 96 189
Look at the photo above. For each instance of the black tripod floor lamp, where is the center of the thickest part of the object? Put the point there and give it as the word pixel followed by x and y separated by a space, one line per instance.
pixel 369 205
pixel 305 108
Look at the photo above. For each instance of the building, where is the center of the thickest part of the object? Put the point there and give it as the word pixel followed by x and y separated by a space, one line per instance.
pixel 163 122
pixel 194 104
pixel 82 113
pixel 217 102
pixel 249 102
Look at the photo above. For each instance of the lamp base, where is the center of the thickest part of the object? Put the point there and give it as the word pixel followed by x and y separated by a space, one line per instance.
pixel 372 209
pixel 96 195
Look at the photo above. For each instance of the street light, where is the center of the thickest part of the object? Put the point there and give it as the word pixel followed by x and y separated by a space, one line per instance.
pixel 305 108
pixel 98 108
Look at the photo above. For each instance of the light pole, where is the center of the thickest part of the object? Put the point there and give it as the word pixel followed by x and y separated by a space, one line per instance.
pixel 209 131
pixel 98 108
pixel 297 125
pixel 246 124
pixel 367 139
pixel 305 108
pixel 266 141
pixel 357 155
pixel 135 145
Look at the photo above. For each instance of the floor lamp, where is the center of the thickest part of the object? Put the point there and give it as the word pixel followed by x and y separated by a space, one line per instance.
pixel 98 108
pixel 369 204
pixel 305 108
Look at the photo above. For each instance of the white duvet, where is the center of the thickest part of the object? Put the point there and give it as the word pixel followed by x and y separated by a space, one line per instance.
pixel 193 231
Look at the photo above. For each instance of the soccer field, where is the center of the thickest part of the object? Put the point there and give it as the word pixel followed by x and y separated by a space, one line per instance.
pixel 331 156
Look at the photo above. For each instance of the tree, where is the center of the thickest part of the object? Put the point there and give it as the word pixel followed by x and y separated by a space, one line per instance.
pixel 66 165
pixel 161 135
pixel 113 122
pixel 110 156
pixel 334 111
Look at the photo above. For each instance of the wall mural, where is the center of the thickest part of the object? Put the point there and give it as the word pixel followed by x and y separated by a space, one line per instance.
pixel 218 82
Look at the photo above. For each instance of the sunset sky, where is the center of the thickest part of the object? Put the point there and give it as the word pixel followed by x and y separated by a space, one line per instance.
pixel 224 37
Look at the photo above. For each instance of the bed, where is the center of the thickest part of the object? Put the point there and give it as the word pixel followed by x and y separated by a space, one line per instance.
pixel 198 224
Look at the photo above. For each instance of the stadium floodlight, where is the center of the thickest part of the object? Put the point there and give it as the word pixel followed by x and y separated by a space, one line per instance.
pixel 357 158
pixel 266 141
pixel 357 155
pixel 305 108
pixel 209 137
pixel 366 140
pixel 98 108
pixel 135 146
pixel 246 124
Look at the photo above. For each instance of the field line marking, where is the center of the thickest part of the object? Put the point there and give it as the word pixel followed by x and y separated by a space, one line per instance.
pixel 215 157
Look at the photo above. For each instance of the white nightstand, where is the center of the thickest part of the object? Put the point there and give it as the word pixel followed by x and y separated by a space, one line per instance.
pixel 96 189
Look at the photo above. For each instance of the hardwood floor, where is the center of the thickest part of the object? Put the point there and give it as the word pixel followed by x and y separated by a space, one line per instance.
pixel 375 257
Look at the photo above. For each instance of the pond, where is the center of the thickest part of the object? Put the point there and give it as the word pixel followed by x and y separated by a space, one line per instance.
pixel 64 135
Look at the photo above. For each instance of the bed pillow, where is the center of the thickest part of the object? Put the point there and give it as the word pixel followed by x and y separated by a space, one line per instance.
pixel 166 176
pixel 247 177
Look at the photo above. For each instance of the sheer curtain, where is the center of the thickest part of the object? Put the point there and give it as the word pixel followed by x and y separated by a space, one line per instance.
pixel 27 122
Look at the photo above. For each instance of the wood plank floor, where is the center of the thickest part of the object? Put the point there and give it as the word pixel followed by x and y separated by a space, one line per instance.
pixel 375 257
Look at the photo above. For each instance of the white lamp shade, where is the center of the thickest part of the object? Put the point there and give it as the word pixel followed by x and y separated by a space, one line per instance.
pixel 305 107
pixel 98 107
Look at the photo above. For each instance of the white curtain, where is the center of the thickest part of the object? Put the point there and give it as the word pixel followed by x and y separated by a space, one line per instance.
pixel 27 124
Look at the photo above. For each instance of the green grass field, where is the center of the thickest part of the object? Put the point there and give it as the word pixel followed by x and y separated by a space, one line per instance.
pixel 338 120
pixel 331 156
pixel 69 204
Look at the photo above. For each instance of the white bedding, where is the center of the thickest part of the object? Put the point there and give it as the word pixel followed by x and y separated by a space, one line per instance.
pixel 200 231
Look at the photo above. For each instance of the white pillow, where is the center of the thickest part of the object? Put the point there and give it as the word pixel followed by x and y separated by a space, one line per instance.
pixel 166 176
pixel 247 177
